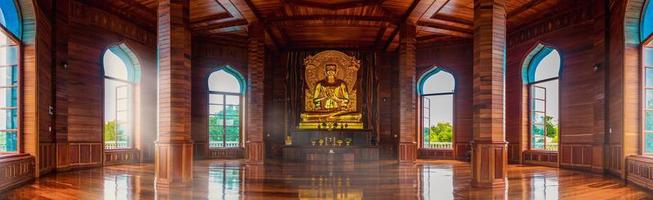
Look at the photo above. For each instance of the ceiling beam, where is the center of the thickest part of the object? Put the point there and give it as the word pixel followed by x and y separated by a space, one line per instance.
pixel 141 7
pixel 210 18
pixel 379 37
pixel 453 19
pixel 335 6
pixel 461 31
pixel 248 10
pixel 234 22
pixel 333 17
pixel 403 19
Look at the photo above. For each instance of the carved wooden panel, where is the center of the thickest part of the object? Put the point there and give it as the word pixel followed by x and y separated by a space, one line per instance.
pixel 546 158
pixel 15 170
pixel 435 154
pixel 86 154
pixel 640 171
pixel 121 156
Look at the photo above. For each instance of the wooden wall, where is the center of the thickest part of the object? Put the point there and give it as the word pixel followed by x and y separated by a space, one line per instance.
pixel 91 32
pixel 578 34
pixel 208 57
pixel 455 57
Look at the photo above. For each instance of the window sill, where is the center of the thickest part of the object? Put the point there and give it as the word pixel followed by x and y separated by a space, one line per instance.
pixel 224 148
pixel 12 156
pixel 642 158
pixel 120 150
pixel 541 151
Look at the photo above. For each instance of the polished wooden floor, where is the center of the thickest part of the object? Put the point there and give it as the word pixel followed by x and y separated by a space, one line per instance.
pixel 375 180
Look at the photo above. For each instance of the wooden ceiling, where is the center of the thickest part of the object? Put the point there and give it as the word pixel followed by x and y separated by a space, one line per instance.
pixel 369 24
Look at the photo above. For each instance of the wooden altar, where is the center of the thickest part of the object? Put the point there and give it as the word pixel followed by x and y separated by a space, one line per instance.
pixel 362 147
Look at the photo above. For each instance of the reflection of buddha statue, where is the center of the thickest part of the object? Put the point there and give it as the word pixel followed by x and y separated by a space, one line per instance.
pixel 330 96
pixel 331 93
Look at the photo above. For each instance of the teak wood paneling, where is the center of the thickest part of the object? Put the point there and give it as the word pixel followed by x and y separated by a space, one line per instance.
pixel 207 58
pixel 15 170
pixel 582 85
pixel 407 95
pixel 456 58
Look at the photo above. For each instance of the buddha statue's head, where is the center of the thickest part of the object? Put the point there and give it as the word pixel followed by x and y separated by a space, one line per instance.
pixel 330 69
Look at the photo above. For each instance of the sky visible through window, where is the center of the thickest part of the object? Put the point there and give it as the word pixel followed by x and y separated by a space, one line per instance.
pixel 441 105
pixel 116 68
pixel 549 67
pixel 221 81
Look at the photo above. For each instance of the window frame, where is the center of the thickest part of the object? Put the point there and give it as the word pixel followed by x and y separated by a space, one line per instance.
pixel 531 69
pixel 132 94
pixel 240 95
pixel 648 43
pixel 428 74
pixel 19 87
pixel 531 105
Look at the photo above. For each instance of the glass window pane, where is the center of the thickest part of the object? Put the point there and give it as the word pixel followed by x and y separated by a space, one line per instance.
pixel 232 121
pixel 8 76
pixel 648 142
pixel 9 55
pixel 649 99
pixel 233 110
pixel 539 105
pixel 216 136
pixel 232 100
pixel 8 97
pixel 114 66
pixel 538 118
pixel 215 120
pixel 233 136
pixel 216 109
pixel 8 142
pixel 539 92
pixel 215 99
pixel 649 77
pixel 537 130
pixel 8 119
pixel 649 120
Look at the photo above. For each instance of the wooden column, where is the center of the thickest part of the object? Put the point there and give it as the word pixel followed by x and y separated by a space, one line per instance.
pixel 174 148
pixel 407 95
pixel 255 74
pixel 489 147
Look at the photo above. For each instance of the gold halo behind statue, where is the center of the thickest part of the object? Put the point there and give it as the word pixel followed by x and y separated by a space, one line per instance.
pixel 330 99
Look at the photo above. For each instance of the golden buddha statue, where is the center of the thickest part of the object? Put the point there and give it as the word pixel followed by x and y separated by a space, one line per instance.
pixel 330 99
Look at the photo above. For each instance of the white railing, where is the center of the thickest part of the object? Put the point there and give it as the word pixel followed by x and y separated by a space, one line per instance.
pixel 228 144
pixel 551 147
pixel 116 145
pixel 438 145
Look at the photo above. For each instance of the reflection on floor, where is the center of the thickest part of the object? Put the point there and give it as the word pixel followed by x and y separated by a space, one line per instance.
pixel 375 180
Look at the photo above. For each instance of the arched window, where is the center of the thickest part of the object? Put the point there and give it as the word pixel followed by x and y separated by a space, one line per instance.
pixel 121 72
pixel 10 30
pixel 436 89
pixel 226 87
pixel 647 53
pixel 542 73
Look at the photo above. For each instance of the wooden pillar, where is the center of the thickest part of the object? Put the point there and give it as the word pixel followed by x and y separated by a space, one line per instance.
pixel 174 148
pixel 489 147
pixel 255 92
pixel 407 95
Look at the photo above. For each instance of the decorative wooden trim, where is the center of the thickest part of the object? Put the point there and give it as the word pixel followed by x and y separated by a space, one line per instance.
pixel 639 171
pixel 227 153
pixel 561 20
pixel 435 154
pixel 489 164
pixel 121 156
pixel 91 16
pixel 577 156
pixel 15 170
pixel 546 158
pixel 85 154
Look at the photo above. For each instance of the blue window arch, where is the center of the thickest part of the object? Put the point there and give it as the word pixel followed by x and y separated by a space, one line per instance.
pixel 121 74
pixel 541 72
pixel 436 89
pixel 226 87
pixel 646 28
pixel 10 17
